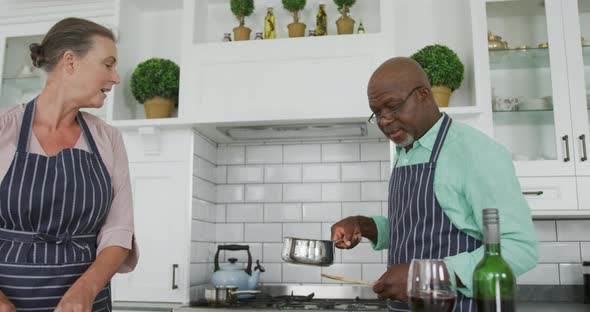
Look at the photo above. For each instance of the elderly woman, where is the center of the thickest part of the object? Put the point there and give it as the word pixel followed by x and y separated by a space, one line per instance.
pixel 66 216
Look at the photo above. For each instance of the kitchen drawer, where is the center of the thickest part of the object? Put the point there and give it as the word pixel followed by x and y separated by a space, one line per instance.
pixel 153 144
pixel 550 193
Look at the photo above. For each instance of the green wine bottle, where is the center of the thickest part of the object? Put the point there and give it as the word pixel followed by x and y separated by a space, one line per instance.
pixel 494 284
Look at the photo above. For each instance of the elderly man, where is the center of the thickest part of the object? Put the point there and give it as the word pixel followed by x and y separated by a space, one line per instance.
pixel 445 173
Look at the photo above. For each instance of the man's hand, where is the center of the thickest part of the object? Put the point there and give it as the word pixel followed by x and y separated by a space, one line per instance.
pixel 393 284
pixel 348 232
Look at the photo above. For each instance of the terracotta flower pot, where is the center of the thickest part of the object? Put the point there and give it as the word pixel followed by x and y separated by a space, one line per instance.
pixel 242 33
pixel 296 30
pixel 345 25
pixel 441 95
pixel 158 107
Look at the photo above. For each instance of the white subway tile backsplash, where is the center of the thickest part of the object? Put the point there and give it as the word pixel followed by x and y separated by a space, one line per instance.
pixel 573 230
pixel 230 232
pixel 361 253
pixel 374 191
pixel 327 230
pixel 341 152
pixel 264 154
pixel 372 272
pixel 220 213
pixel 302 192
pixel 271 252
pixel 570 274
pixel 273 274
pixel 264 193
pixel 542 274
pixel 264 232
pixel 205 149
pixel 205 170
pixel 282 173
pixel 585 246
pixel 245 212
pixel 546 230
pixel 321 173
pixel 375 151
pixel 361 208
pixel 200 252
pixel 245 174
pixel 551 252
pixel 302 153
pixel 230 193
pixel 385 170
pixel 221 174
pixel 282 212
pixel 348 270
pixel 321 212
pixel 293 273
pixel 345 192
pixel 202 231
pixel 231 155
pixel 303 230
pixel 203 210
pixel 204 190
pixel 368 171
pixel 199 273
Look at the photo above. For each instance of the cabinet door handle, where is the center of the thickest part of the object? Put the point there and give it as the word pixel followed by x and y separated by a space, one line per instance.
pixel 566 139
pixel 583 139
pixel 174 267
pixel 537 193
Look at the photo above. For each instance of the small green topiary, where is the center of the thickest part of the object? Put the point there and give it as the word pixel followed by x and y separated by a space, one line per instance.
pixel 241 9
pixel 344 5
pixel 155 77
pixel 294 6
pixel 442 66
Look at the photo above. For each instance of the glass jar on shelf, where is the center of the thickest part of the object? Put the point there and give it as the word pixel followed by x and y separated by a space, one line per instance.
pixel 258 36
pixel 226 37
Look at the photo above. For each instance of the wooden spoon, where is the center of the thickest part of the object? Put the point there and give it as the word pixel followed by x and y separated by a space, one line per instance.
pixel 346 279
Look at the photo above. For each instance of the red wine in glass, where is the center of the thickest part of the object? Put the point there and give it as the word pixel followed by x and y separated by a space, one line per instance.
pixel 432 303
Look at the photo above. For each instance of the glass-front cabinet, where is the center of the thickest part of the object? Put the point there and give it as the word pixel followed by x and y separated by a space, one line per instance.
pixel 538 75
pixel 529 92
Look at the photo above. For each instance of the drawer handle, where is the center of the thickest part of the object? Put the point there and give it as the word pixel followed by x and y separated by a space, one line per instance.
pixel 583 139
pixel 566 139
pixel 537 193
pixel 174 267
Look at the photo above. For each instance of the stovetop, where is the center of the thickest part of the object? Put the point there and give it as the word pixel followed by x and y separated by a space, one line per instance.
pixel 294 302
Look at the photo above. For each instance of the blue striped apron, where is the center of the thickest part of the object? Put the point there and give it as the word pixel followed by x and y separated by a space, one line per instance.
pixel 419 227
pixel 51 209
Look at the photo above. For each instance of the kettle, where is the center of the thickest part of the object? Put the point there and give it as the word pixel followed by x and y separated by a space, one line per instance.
pixel 233 274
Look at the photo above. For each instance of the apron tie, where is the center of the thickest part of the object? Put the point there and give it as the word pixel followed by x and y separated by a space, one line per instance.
pixel 80 242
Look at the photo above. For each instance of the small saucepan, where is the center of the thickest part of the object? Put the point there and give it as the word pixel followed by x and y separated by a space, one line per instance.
pixel 308 251
pixel 224 295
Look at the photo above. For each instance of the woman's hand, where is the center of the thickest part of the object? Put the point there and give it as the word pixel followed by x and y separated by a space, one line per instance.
pixel 77 299
pixel 6 305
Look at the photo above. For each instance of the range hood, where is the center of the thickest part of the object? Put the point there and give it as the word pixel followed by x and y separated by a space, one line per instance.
pixel 296 131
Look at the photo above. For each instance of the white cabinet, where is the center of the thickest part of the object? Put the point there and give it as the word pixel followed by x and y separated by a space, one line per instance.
pixel 537 95
pixel 161 182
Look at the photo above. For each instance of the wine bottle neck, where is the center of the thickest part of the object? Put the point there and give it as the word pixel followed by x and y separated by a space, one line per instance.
pixel 491 238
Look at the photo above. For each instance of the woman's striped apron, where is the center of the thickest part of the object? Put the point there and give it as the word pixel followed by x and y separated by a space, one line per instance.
pixel 419 228
pixel 51 209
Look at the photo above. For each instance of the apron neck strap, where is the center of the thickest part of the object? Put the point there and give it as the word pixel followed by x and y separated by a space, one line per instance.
pixel 27 127
pixel 440 138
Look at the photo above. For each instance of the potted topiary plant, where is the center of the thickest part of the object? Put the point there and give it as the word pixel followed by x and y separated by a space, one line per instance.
pixel 296 29
pixel 344 24
pixel 444 70
pixel 241 9
pixel 154 83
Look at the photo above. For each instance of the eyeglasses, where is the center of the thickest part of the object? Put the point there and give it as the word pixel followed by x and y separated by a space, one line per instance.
pixel 390 113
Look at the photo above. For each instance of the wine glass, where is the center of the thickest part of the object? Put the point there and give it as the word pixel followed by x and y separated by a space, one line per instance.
pixel 430 287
